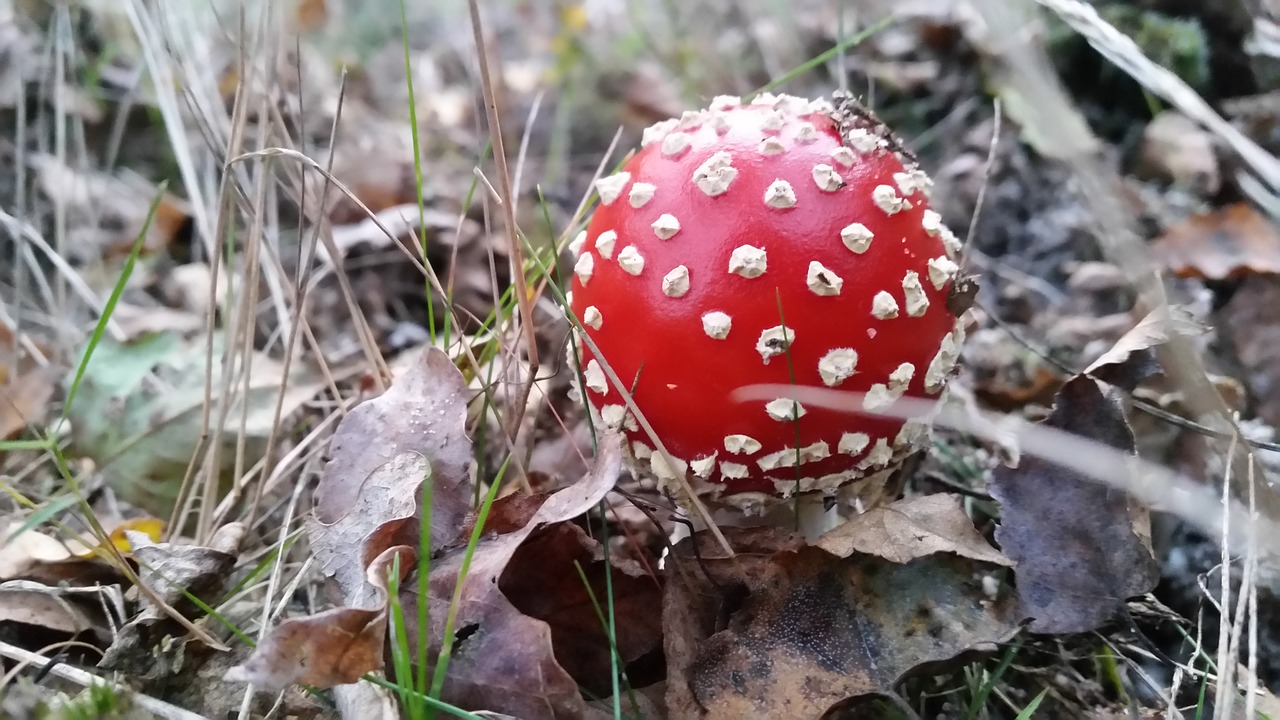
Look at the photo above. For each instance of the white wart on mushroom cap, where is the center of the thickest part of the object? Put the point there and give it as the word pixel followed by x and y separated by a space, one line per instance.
pixel 776 241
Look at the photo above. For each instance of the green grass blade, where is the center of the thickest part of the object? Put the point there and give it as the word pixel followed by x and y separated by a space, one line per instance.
pixel 43 515
pixel 1030 709
pixel 23 445
pixel 401 658
pixel 101 328
pixel 980 697
pixel 417 175
pixel 446 642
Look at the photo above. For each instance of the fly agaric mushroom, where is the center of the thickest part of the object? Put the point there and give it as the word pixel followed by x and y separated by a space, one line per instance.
pixel 777 241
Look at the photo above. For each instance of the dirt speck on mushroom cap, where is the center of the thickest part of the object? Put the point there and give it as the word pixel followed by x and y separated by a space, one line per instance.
pixel 681 377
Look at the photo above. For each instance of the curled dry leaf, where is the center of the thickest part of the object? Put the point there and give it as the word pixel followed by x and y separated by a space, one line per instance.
pixel 74 561
pixel 504 660
pixel 1233 242
pixel 174 573
pixel 912 528
pixel 70 611
pixel 815 629
pixel 1082 548
pixel 558 575
pixel 1131 359
pixel 382 451
pixel 335 647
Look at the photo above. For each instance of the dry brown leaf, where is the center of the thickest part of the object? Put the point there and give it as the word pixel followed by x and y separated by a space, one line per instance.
pixel 330 648
pixel 1081 546
pixel 542 581
pixel 173 572
pixel 25 387
pixel 1233 242
pixel 504 660
pixel 1005 396
pixel 1131 359
pixel 912 528
pixel 24 402
pixel 366 515
pixel 106 213
pixel 20 554
pixel 1252 321
pixel 806 630
pixel 49 608
pixel 1004 375
pixel 367 500
pixel 32 555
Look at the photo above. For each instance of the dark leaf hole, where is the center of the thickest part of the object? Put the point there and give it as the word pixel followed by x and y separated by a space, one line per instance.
pixel 463 633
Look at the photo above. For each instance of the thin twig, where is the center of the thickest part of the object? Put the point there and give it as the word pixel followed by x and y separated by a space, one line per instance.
pixel 996 118
pixel 523 301
pixel 1138 403
pixel 87 679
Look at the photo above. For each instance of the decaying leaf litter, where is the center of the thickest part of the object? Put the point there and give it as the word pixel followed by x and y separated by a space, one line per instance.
pixel 997 576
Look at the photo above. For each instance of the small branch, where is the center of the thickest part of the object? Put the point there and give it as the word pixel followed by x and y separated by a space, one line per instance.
pixel 87 679
pixel 523 301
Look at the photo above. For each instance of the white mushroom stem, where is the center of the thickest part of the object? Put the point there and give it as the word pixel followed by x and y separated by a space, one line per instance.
pixel 813 519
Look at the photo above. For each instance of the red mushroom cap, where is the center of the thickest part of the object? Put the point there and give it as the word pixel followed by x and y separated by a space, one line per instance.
pixel 781 241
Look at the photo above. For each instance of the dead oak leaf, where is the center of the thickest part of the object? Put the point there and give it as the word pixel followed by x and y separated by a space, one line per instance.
pixel 559 575
pixel 912 528
pixel 174 573
pixel 1080 545
pixel 816 630
pixel 382 452
pixel 69 611
pixel 503 660
pixel 331 648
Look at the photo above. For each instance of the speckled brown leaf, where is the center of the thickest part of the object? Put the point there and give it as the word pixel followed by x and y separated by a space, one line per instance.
pixel 503 660
pixel 382 451
pixel 912 528
pixel 331 648
pixel 366 513
pixel 1082 547
pixel 1232 242
pixel 794 632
